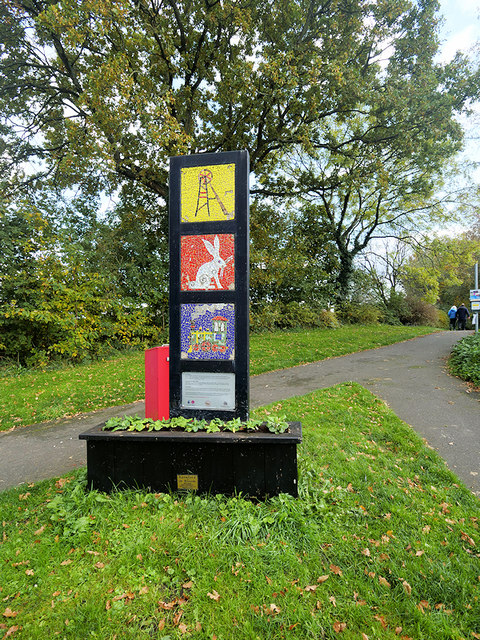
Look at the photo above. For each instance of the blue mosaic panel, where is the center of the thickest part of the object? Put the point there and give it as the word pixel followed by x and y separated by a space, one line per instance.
pixel 207 331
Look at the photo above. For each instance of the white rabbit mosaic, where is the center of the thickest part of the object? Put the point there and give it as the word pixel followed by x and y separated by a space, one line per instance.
pixel 208 275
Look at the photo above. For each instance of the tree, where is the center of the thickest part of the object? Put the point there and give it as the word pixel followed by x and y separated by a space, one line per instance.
pixel 378 171
pixel 108 90
pixel 285 264
pixel 53 303
pixel 441 271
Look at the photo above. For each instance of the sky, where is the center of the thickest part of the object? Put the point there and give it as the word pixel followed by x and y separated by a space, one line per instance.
pixel 462 25
pixel 461 32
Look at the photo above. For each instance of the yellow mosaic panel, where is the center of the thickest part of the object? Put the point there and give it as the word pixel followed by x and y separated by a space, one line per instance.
pixel 208 193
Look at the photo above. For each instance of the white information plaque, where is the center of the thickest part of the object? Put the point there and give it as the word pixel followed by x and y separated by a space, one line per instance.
pixel 208 391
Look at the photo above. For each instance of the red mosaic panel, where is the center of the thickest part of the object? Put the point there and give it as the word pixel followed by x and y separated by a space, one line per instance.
pixel 207 262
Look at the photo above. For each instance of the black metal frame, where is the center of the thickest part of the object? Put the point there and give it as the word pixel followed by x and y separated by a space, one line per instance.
pixel 239 227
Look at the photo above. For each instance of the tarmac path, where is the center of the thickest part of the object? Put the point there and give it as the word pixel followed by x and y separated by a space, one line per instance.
pixel 409 376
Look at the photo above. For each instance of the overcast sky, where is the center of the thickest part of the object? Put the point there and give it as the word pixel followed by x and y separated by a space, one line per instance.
pixel 462 25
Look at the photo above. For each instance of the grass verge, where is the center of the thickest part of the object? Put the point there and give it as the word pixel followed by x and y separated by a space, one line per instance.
pixel 38 396
pixel 381 544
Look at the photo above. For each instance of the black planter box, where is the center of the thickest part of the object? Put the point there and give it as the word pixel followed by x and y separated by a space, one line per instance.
pixel 254 464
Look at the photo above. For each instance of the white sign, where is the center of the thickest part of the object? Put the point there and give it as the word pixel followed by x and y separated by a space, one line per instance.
pixel 476 305
pixel 474 294
pixel 208 391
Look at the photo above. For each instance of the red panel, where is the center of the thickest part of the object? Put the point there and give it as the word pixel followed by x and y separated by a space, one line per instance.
pixel 156 383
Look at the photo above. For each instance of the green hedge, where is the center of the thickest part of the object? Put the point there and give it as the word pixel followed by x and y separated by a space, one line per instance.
pixel 465 359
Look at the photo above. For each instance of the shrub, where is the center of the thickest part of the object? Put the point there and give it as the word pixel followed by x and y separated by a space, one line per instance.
pixel 328 319
pixel 265 316
pixel 465 359
pixel 418 312
pixel 296 314
pixel 360 313
pixel 276 315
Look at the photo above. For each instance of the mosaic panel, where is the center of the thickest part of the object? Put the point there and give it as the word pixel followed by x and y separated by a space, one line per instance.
pixel 207 262
pixel 208 193
pixel 207 331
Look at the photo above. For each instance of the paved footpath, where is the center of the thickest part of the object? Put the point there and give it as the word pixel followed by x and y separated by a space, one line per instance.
pixel 409 376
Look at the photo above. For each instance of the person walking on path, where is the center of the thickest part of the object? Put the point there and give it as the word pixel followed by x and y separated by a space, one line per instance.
pixel 452 315
pixel 462 315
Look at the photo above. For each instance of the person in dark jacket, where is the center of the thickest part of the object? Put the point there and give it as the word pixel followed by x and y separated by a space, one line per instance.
pixel 462 315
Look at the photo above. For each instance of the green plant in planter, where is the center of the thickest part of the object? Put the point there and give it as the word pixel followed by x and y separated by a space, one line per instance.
pixel 273 424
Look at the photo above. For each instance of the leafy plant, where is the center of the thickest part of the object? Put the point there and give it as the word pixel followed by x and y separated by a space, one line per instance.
pixel 465 359
pixel 272 423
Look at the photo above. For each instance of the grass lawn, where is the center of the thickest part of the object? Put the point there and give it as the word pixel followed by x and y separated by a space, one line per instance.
pixel 37 396
pixel 382 543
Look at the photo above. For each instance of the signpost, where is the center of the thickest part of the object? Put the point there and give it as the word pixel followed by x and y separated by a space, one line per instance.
pixel 208 355
pixel 475 299
pixel 209 283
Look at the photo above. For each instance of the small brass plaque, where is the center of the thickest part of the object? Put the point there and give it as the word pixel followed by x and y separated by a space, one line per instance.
pixel 187 482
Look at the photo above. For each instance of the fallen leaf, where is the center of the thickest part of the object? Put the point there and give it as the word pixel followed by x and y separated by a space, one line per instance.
pixel 398 630
pixel 382 621
pixel 8 613
pixel 422 605
pixel 182 628
pixel 187 585
pixel 39 531
pixel 366 552
pixel 364 636
pixel 65 562
pixel 214 596
pixel 467 538
pixel 336 570
pixel 143 590
pixel 177 617
pixel 338 627
pixel 311 587
pixel 333 601
pixel 407 587
pixel 11 631
pixel 167 605
pixel 30 572
pixel 420 552
pixel 98 565
pixel 383 581
pixel 322 579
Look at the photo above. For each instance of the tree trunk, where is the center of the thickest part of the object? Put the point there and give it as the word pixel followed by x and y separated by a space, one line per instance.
pixel 344 277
